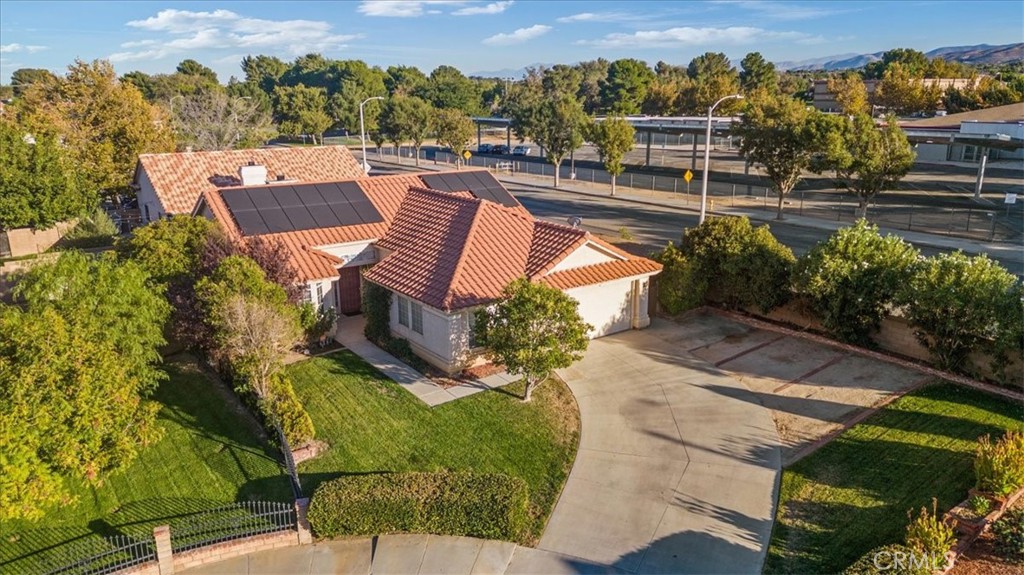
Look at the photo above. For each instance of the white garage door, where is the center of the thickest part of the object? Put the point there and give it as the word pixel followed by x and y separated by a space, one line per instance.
pixel 605 306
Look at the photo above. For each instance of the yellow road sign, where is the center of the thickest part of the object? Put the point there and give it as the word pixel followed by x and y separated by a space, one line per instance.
pixel 467 155
pixel 688 176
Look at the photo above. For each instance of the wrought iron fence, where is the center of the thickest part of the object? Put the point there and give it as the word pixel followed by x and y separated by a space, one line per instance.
pixel 233 521
pixel 107 555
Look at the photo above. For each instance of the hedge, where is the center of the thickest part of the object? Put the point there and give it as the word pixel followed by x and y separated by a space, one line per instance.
pixel 486 505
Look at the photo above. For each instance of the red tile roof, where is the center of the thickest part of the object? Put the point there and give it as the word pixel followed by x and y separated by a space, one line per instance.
pixel 452 252
pixel 448 250
pixel 180 178
pixel 385 192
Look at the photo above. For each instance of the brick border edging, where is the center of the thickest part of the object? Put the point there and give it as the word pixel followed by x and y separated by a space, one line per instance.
pixel 966 539
pixel 927 370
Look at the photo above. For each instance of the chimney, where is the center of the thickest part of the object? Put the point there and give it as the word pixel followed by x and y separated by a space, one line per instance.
pixel 253 174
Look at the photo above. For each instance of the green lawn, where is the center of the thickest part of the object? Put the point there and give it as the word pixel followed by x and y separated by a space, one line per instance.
pixel 854 493
pixel 372 425
pixel 208 456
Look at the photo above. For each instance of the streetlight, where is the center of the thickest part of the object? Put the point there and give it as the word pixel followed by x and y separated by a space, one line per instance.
pixel 362 130
pixel 707 156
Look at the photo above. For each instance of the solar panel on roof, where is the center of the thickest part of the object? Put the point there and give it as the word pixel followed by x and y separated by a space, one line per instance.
pixel 436 182
pixel 352 191
pixel 367 213
pixel 345 214
pixel 262 198
pixel 309 196
pixel 237 200
pixel 286 197
pixel 276 221
pixel 250 222
pixel 299 217
pixel 324 217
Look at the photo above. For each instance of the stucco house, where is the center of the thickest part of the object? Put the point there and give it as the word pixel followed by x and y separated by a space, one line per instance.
pixel 444 244
pixel 171 183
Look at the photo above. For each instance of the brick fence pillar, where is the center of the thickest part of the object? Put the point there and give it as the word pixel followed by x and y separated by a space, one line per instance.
pixel 164 557
pixel 305 534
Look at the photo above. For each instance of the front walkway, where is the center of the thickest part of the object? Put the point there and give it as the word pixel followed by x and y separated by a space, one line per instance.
pixel 678 463
pixel 349 333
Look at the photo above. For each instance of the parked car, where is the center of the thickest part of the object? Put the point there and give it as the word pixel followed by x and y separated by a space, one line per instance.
pixel 499 149
pixel 485 149
pixel 521 151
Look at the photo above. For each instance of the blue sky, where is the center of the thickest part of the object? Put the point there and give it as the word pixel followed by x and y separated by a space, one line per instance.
pixel 482 36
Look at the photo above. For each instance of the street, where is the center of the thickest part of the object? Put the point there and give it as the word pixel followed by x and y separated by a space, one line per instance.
pixel 654 226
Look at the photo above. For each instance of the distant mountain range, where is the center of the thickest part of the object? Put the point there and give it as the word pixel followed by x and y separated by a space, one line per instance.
pixel 980 54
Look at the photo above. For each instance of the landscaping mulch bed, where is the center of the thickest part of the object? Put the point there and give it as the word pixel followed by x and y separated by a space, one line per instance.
pixel 983 559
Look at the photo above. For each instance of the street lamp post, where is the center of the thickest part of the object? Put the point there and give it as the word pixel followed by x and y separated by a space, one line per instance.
pixel 707 155
pixel 362 130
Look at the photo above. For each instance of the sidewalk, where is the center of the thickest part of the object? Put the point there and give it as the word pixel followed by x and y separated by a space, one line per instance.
pixel 691 204
pixel 349 333
pixel 406 554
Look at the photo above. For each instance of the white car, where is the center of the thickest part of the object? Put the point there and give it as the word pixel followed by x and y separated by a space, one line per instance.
pixel 521 151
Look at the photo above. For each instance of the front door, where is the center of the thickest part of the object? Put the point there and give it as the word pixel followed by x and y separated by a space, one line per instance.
pixel 349 296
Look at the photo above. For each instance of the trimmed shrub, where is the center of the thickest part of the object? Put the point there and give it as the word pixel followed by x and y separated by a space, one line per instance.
pixel 889 560
pixel 285 407
pixel 999 466
pixel 679 289
pixel 739 264
pixel 852 279
pixel 486 505
pixel 316 323
pixel 1008 534
pixel 959 304
pixel 377 310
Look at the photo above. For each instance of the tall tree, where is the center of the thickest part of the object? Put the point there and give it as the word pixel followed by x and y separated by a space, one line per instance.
pixel 593 73
pixel 24 78
pixel 264 71
pixel 625 89
pixel 104 124
pixel 558 128
pixel 77 363
pixel 782 135
pixel 447 87
pixel 903 94
pixel 561 79
pixel 190 67
pixel 867 160
pixel 850 93
pixel 713 78
pixel 914 61
pixel 301 110
pixel 407 118
pixel 404 80
pixel 216 121
pixel 169 250
pixel 613 137
pixel 533 330
pixel 455 131
pixel 758 74
pixel 39 184
pixel 355 81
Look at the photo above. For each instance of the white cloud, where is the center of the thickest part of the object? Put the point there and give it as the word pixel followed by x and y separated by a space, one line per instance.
pixel 519 36
pixel 687 36
pixel 596 17
pixel 492 8
pixel 784 11
pixel 187 31
pixel 12 48
pixel 402 8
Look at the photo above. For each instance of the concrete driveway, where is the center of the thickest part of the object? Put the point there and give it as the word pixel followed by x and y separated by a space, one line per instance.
pixel 678 462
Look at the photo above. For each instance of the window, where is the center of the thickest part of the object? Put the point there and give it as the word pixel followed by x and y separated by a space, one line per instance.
pixel 147 212
pixel 417 318
pixel 306 298
pixel 319 295
pixel 403 311
pixel 471 325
